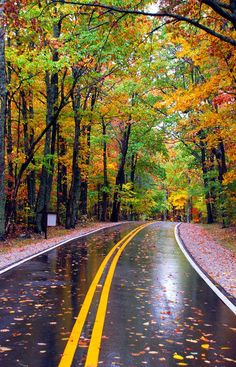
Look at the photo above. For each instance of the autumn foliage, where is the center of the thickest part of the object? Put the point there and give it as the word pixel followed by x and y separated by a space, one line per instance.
pixel 112 115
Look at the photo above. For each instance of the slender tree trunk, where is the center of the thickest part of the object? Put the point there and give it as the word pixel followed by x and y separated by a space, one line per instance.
pixel 74 192
pixel 165 214
pixel 87 132
pixel 99 206
pixel 222 169
pixel 61 175
pixel 189 210
pixel 120 174
pixel 189 205
pixel 31 178
pixel 105 188
pixel 9 148
pixel 84 181
pixel 27 115
pixel 212 184
pixel 48 165
pixel 210 217
pixel 134 159
pixel 3 94
pixel 46 177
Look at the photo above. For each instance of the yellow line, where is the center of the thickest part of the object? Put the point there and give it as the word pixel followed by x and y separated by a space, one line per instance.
pixel 94 346
pixel 71 345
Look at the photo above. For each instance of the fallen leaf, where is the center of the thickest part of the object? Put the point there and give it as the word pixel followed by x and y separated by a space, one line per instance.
pixel 205 346
pixel 191 340
pixel 177 356
pixel 4 349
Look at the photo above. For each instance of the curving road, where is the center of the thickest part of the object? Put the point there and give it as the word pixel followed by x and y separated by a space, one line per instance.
pixel 159 312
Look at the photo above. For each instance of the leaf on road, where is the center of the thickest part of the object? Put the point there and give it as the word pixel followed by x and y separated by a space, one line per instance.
pixel 4 349
pixel 177 356
pixel 205 346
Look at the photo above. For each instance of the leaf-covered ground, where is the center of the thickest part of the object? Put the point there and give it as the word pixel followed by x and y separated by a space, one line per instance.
pixel 226 237
pixel 218 261
pixel 15 250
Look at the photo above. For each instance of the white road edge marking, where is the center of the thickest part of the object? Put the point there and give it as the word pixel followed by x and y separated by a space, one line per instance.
pixel 14 265
pixel 202 275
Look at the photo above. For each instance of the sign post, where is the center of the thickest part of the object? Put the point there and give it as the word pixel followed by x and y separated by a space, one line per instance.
pixel 51 221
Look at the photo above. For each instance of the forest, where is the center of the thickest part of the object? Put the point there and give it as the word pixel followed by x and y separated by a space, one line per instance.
pixel 117 110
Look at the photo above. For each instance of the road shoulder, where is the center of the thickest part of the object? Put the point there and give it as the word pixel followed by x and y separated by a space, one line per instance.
pixel 16 255
pixel 216 263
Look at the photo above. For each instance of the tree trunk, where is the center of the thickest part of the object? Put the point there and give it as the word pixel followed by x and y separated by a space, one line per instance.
pixel 99 207
pixel 165 214
pixel 120 174
pixel 31 177
pixel 9 148
pixel 222 169
pixel 49 150
pixel 46 177
pixel 189 210
pixel 61 176
pixel 105 187
pixel 74 192
pixel 134 159
pixel 3 94
pixel 210 217
pixel 87 132
pixel 28 114
pixel 189 204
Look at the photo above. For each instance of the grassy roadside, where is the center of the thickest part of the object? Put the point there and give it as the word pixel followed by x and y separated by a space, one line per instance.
pixel 226 237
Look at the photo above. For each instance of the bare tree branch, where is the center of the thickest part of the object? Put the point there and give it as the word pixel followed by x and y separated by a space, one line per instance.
pixel 178 17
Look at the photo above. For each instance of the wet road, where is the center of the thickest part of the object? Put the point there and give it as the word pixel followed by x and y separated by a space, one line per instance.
pixel 160 312
pixel 40 299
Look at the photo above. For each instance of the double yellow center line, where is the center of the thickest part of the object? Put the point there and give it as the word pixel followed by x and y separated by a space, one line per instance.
pixel 95 342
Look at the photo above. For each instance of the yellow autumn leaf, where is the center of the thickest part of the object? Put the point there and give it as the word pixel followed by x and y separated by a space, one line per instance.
pixel 177 356
pixel 205 346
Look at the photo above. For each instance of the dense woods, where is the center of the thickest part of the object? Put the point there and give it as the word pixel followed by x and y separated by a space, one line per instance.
pixel 119 110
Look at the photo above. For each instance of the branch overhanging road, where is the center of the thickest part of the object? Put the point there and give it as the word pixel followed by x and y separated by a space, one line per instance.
pixel 105 301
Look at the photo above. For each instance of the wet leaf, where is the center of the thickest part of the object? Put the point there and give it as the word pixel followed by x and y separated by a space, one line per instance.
pixel 203 338
pixel 191 340
pixel 177 356
pixel 205 346
pixel 230 360
pixel 4 349
pixel 104 337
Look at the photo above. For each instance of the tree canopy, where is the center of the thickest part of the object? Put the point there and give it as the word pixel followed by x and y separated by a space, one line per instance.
pixel 117 110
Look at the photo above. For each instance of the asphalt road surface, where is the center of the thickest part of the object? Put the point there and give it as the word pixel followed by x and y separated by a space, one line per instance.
pixel 148 308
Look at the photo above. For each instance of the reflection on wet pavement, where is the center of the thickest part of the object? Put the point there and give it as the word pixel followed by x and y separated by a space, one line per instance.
pixel 41 299
pixel 161 313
